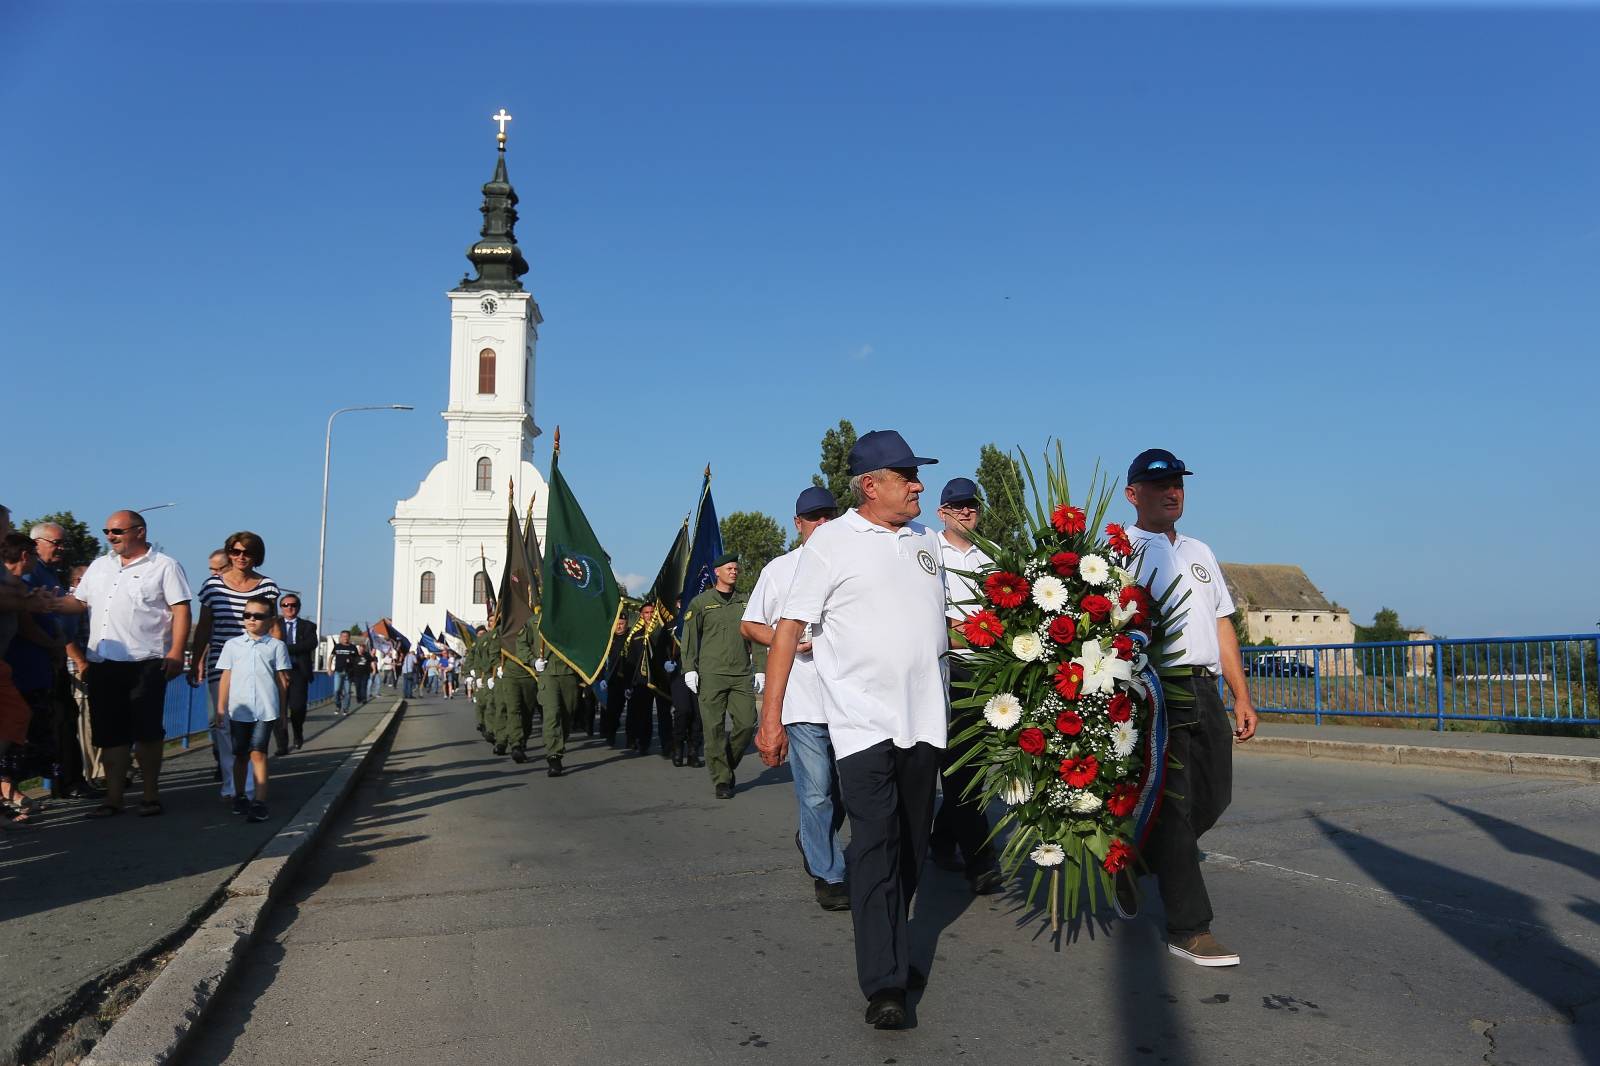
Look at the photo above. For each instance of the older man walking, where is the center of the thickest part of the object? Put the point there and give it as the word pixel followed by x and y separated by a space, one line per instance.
pixel 138 599
pixel 872 585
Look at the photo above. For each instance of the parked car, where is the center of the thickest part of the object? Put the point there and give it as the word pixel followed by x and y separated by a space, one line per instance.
pixel 1279 664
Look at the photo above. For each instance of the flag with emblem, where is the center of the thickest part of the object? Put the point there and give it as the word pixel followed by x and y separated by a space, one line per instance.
pixel 703 550
pixel 581 599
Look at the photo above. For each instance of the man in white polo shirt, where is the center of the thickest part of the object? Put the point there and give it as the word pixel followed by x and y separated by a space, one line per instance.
pixel 1200 741
pixel 816 782
pixel 871 585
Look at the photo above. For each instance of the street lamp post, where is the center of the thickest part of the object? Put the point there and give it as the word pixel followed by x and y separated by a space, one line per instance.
pixel 327 452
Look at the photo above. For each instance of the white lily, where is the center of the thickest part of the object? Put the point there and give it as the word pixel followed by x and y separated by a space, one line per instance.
pixel 1100 670
pixel 1122 614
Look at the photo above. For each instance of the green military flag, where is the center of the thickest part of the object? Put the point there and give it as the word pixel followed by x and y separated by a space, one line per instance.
pixel 517 582
pixel 581 599
pixel 669 580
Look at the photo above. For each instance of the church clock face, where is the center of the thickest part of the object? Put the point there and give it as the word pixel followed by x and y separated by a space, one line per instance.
pixel 489 305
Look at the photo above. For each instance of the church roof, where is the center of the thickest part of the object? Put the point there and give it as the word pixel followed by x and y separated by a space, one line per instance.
pixel 1273 586
pixel 495 254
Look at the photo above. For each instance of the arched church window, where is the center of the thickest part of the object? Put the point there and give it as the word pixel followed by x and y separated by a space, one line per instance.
pixel 427 587
pixel 480 588
pixel 486 372
pixel 485 475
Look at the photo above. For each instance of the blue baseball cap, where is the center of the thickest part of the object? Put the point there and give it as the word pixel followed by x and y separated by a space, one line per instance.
pixel 1156 464
pixel 957 489
pixel 816 498
pixel 882 449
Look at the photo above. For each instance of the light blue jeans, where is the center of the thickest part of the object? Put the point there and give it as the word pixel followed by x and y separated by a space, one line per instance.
pixel 343 690
pixel 816 789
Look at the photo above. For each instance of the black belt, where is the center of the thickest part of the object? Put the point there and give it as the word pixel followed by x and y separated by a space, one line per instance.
pixel 1199 671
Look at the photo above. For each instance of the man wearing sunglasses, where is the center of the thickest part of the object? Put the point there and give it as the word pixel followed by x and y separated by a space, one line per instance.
pixel 300 637
pixel 1200 776
pixel 138 603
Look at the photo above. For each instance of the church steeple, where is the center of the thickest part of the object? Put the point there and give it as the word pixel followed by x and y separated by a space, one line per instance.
pixel 496 255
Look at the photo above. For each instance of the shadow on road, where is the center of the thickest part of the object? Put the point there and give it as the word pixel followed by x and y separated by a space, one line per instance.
pixel 1520 840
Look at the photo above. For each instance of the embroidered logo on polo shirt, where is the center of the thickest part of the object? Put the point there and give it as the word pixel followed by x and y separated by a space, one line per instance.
pixel 925 560
pixel 1200 573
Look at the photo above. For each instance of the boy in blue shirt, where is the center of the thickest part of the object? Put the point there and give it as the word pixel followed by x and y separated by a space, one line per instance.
pixel 251 693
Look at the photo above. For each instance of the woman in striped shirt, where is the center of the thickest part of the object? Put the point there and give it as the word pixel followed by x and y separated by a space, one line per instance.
pixel 222 598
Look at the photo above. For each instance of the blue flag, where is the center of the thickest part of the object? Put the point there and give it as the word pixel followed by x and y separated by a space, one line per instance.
pixel 426 641
pixel 703 551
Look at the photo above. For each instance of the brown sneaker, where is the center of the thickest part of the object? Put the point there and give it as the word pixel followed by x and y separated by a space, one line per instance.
pixel 1202 949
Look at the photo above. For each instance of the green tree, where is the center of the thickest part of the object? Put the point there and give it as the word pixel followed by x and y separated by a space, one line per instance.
pixel 835 465
pixel 1385 626
pixel 1000 480
pixel 757 538
pixel 82 547
pixel 1241 627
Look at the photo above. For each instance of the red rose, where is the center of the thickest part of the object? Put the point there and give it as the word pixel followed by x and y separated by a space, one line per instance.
pixel 1006 590
pixel 1120 709
pixel 1069 678
pixel 1119 539
pixel 1069 723
pixel 1136 594
pixel 982 629
pixel 1096 606
pixel 1031 740
pixel 1068 520
pixel 1063 630
pixel 1079 772
pixel 1122 800
pixel 1066 563
pixel 1122 644
pixel 1117 857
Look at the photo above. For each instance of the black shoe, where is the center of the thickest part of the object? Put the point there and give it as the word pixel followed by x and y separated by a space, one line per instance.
pixel 697 762
pixel 724 792
pixel 678 758
pixel 241 805
pixel 258 813
pixel 801 848
pixel 500 748
pixel 281 752
pixel 519 754
pixel 887 1009
pixel 481 730
pixel 834 897
pixel 944 856
pixel 554 767
pixel 987 882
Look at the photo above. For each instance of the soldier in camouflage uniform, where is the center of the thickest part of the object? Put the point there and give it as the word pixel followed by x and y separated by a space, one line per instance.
pixel 718 666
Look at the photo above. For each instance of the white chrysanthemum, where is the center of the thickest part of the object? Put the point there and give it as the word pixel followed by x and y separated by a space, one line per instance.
pixel 1016 791
pixel 1048 855
pixel 1027 647
pixel 1094 570
pixel 1003 711
pixel 1084 803
pixel 1123 738
pixel 1050 594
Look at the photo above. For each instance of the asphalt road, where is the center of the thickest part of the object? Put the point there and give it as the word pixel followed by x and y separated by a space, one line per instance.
pixel 467 909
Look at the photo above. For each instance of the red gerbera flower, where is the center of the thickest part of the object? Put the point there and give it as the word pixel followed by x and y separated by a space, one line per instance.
pixel 1122 644
pixel 1096 606
pixel 1063 630
pixel 1079 773
pixel 1069 723
pixel 1065 563
pixel 1006 590
pixel 1117 857
pixel 982 629
pixel 1069 520
pixel 1069 678
pixel 1118 537
pixel 1122 800
pixel 1120 709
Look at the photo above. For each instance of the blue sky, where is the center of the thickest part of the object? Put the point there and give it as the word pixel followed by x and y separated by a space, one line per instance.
pixel 1345 261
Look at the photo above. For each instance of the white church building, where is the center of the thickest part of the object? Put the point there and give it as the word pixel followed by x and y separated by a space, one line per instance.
pixel 460 507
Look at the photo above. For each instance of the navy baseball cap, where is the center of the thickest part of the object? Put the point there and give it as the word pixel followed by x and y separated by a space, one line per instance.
pixel 725 558
pixel 957 489
pixel 882 449
pixel 816 498
pixel 1154 464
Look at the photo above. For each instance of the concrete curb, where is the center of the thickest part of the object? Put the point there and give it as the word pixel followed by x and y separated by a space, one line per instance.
pixel 1527 764
pixel 153 1030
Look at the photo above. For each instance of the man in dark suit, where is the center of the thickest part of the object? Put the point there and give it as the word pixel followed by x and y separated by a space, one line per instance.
pixel 300 634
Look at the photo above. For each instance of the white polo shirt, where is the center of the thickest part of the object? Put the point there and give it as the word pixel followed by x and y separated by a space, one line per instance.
pixel 877 599
pixel 958 589
pixel 1199 575
pixel 130 606
pixel 802 699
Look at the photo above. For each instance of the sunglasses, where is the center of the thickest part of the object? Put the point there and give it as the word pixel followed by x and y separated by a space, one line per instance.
pixel 290 606
pixel 117 531
pixel 1176 466
pixel 244 552
pixel 256 616
pixel 49 540
pixel 826 515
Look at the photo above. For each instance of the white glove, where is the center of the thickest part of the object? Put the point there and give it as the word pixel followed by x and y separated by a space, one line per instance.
pixel 670 665
pixel 692 679
pixel 761 683
pixel 539 665
pixel 491 684
pixel 499 671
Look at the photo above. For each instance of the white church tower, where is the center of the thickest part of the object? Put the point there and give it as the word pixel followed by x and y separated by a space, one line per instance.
pixel 489 431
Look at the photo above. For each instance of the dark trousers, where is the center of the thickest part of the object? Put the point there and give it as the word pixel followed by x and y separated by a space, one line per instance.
pixel 361 688
pixel 687 729
pixel 642 703
pixel 611 713
pixel 961 822
pixel 888 794
pixel 67 767
pixel 299 686
pixel 1201 741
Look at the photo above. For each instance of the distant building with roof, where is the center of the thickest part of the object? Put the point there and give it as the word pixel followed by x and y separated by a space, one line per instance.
pixel 1281 604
